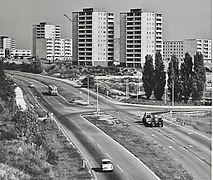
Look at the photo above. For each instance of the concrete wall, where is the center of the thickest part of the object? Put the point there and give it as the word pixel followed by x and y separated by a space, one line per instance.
pixel 123 39
pixel 75 38
pixel 41 48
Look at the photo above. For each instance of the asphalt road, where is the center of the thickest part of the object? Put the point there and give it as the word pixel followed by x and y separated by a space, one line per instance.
pixel 92 142
pixel 191 149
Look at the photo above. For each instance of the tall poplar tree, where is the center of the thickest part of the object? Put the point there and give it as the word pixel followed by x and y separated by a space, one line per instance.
pixel 159 77
pixel 186 77
pixel 199 77
pixel 174 79
pixel 148 76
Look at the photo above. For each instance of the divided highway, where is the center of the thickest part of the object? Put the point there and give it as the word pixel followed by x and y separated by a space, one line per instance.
pixel 191 149
pixel 94 144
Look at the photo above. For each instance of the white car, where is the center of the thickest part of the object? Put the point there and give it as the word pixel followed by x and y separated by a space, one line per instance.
pixel 31 85
pixel 106 165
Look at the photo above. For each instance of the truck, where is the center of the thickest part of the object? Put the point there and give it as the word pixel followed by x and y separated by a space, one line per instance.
pixel 52 90
pixel 152 120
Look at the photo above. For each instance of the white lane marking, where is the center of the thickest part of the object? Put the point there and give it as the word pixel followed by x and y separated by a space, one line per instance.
pixel 90 138
pixel 170 147
pixel 99 146
pixel 77 125
pixel 119 168
pixel 191 146
pixel 190 133
pixel 108 155
pixel 84 132
pixel 170 134
pixel 184 149
pixel 154 135
pixel 200 160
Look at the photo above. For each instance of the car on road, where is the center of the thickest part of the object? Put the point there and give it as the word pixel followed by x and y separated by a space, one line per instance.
pixel 106 165
pixel 152 120
pixel 31 85
pixel 41 114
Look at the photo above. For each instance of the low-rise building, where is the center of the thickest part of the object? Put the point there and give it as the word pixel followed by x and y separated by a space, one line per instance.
pixel 20 53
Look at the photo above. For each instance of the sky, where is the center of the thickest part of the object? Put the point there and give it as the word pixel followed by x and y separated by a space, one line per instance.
pixel 182 19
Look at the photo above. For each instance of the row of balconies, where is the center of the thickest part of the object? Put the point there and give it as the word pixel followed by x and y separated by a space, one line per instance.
pixel 133 55
pixel 85 27
pixel 134 37
pixel 83 45
pixel 133 46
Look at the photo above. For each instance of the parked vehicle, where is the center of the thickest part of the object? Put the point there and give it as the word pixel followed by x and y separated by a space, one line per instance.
pixel 106 165
pixel 152 120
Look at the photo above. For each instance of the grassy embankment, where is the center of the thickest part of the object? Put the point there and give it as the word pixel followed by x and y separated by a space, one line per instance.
pixel 21 157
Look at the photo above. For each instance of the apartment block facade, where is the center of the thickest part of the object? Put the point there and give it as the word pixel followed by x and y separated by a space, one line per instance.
pixel 93 37
pixel 180 47
pixel 140 34
pixel 48 44
pixel 7 43
pixel 20 53
pixel 58 49
pixel 41 32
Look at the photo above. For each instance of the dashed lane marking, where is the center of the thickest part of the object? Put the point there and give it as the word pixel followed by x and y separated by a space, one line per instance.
pixel 90 138
pixel 154 135
pixel 184 149
pixel 170 147
pixel 108 155
pixel 119 168
pixel 99 146
pixel 200 160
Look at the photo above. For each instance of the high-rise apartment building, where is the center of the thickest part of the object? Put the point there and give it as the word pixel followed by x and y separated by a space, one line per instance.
pixel 41 32
pixel 140 34
pixel 59 49
pixel 179 48
pixel 93 37
pixel 7 43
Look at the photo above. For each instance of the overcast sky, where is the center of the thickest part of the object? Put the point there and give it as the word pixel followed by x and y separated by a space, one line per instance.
pixel 181 18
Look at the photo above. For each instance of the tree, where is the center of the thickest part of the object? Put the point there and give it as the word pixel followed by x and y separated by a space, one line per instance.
pixel 148 76
pixel 36 66
pixel 7 87
pixel 28 128
pixel 174 79
pixel 91 81
pixel 159 77
pixel 199 77
pixel 186 77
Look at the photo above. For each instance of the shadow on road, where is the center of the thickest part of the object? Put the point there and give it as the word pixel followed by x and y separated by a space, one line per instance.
pixel 97 169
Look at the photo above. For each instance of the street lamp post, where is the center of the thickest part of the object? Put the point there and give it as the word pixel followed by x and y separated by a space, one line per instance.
pixel 97 97
pixel 88 90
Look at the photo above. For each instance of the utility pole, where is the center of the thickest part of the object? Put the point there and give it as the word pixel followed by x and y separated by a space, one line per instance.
pixel 127 88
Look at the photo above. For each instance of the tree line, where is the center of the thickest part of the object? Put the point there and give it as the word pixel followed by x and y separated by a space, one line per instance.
pixel 185 80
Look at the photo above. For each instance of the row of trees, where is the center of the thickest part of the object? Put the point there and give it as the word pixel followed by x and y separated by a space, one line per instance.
pixel 33 67
pixel 185 80
pixel 154 78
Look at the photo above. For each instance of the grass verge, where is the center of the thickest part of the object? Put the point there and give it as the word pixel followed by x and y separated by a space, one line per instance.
pixel 149 152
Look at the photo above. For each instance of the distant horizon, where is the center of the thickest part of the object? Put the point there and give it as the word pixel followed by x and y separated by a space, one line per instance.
pixel 181 19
